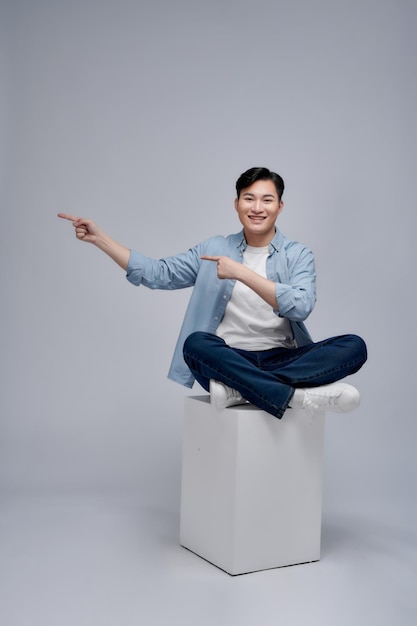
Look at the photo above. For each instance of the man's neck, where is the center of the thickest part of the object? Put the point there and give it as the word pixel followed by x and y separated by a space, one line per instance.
pixel 259 241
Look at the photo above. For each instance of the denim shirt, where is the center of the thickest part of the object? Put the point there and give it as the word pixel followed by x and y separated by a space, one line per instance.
pixel 289 264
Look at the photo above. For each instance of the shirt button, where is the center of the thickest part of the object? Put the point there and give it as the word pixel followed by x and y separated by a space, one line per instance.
pixel 216 318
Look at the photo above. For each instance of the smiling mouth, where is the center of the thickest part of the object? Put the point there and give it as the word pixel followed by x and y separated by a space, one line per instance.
pixel 257 218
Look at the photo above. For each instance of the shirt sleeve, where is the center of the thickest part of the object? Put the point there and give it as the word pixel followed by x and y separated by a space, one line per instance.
pixel 296 292
pixel 175 272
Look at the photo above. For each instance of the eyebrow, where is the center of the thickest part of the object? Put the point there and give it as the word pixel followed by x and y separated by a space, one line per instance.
pixel 252 195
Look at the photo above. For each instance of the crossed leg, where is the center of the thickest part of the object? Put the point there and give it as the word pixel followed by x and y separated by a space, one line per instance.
pixel 268 379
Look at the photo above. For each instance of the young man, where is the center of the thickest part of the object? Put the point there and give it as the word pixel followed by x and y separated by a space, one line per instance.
pixel 243 337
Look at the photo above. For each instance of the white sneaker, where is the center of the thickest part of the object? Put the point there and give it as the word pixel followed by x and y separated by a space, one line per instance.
pixel 222 396
pixel 336 397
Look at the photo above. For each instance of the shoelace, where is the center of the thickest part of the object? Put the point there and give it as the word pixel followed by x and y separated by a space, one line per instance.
pixel 329 399
pixel 233 394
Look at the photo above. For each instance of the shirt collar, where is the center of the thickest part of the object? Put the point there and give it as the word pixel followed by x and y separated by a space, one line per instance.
pixel 273 246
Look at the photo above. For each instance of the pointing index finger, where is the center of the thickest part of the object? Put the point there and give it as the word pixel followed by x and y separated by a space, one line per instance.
pixel 210 258
pixel 65 216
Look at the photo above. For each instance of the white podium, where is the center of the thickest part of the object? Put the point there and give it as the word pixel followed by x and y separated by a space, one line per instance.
pixel 251 494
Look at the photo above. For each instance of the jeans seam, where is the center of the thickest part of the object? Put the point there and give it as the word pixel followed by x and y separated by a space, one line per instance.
pixel 333 370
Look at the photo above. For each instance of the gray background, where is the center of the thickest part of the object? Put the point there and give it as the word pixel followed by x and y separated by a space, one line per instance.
pixel 141 115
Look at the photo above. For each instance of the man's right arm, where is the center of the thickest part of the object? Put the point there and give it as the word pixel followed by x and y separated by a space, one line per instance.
pixel 86 230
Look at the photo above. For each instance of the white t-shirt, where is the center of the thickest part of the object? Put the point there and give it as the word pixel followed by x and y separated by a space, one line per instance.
pixel 249 322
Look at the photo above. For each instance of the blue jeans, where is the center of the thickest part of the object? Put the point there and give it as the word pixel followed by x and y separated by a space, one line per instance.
pixel 268 378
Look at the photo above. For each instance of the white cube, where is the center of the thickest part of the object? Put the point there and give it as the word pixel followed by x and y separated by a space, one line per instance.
pixel 251 495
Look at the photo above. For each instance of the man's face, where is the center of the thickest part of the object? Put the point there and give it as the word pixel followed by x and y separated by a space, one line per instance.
pixel 258 208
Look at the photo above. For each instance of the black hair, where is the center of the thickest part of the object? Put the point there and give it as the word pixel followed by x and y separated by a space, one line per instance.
pixel 259 173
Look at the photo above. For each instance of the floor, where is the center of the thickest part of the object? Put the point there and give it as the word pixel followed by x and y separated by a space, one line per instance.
pixel 86 560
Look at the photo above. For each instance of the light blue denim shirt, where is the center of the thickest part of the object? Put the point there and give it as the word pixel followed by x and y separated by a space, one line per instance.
pixel 289 264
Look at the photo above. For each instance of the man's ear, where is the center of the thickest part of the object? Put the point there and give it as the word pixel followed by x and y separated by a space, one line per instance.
pixel 236 201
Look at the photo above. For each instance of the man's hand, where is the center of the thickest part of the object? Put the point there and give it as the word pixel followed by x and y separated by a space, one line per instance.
pixel 85 229
pixel 226 267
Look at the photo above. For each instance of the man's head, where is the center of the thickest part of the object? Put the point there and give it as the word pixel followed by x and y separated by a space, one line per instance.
pixel 258 204
pixel 259 173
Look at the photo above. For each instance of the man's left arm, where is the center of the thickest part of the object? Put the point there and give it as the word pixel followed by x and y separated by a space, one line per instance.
pixel 228 268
